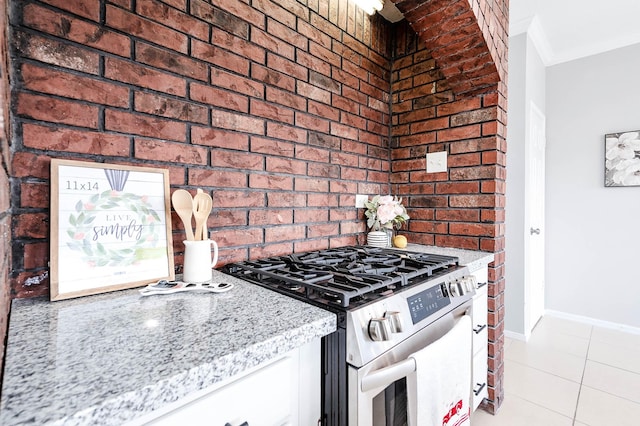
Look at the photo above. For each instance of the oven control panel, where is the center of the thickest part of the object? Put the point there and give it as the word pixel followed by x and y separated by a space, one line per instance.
pixel 427 302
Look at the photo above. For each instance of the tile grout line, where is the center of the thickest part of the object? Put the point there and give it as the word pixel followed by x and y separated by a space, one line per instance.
pixel 584 368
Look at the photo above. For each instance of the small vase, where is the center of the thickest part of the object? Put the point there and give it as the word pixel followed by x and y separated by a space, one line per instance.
pixel 379 239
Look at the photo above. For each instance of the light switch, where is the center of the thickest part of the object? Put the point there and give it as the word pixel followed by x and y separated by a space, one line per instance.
pixel 436 162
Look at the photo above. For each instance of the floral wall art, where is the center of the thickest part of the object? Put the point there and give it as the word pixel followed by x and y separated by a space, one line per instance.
pixel 622 159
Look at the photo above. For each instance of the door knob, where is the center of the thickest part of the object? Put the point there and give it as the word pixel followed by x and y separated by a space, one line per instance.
pixel 535 231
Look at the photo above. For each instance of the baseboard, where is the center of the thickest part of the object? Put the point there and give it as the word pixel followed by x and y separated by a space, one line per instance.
pixel 592 321
pixel 515 336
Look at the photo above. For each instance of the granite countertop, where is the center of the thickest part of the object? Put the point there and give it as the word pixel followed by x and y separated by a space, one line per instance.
pixel 110 358
pixel 473 259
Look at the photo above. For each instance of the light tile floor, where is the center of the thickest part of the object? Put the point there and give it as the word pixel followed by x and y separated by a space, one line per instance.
pixel 572 374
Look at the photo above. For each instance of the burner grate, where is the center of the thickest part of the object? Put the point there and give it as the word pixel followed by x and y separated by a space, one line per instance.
pixel 342 276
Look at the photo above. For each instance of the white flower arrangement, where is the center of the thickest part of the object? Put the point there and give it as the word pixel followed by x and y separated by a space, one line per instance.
pixel 385 212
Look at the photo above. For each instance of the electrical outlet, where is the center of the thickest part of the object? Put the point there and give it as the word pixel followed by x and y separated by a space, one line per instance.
pixel 360 200
pixel 436 162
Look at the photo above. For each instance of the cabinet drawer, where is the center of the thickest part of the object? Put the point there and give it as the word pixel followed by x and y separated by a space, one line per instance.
pixel 479 388
pixel 261 398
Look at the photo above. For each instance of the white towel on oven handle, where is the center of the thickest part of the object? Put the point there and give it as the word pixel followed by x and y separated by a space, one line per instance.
pixel 439 392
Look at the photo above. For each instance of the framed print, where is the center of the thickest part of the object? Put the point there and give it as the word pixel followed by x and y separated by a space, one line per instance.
pixel 622 159
pixel 110 227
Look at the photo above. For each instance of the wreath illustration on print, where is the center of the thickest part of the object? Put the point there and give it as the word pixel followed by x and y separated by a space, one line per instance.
pixel 139 226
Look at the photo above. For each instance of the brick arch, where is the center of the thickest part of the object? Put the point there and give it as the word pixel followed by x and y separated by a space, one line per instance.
pixel 460 35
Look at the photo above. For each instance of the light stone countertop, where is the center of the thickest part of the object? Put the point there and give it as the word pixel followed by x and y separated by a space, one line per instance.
pixel 473 259
pixel 110 358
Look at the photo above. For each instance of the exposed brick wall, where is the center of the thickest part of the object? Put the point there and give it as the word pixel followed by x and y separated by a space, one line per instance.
pixel 5 206
pixel 280 110
pixel 434 110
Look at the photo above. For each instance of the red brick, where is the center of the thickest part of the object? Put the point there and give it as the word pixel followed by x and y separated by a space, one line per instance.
pixel 311 216
pixel 237 237
pixel 137 75
pixel 272 147
pixel 283 10
pixel 67 140
pixel 218 97
pixel 285 165
pixel 272 77
pixel 473 201
pixel 285 98
pixel 217 178
pixel 172 18
pixel 235 198
pixel 34 195
pixel 56 53
pixel 54 110
pixel 238 45
pixel 146 29
pixel 219 138
pixel 237 84
pixel 343 131
pixel 304 152
pixel 286 199
pixel 281 131
pixel 220 57
pixel 270 217
pixel 271 111
pixel 272 182
pixel 457 188
pixel 237 122
pixel 25 164
pixel 286 66
pixel 313 63
pixel 322 200
pixel 473 229
pixel 171 61
pixel 311 185
pixel 458 133
pixel 138 124
pixel 237 160
pixel 149 149
pixel 272 44
pixel 458 215
pixel 154 104
pixel 77 30
pixel 36 255
pixel 74 86
pixel 31 225
pixel 311 122
pixel 89 10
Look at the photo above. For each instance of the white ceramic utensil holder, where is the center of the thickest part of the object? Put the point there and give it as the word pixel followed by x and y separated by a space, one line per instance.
pixel 197 261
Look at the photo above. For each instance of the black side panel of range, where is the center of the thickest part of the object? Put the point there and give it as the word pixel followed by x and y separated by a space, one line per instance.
pixel 334 379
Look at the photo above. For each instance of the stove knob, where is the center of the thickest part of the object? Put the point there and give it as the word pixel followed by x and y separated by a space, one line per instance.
pixel 379 329
pixel 455 289
pixel 396 321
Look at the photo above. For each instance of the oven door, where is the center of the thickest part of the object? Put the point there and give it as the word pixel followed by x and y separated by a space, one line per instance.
pixel 378 390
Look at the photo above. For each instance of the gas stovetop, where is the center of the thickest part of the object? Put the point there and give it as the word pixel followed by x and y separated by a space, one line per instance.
pixel 346 277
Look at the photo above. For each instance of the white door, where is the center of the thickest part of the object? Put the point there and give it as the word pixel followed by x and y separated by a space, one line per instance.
pixel 534 218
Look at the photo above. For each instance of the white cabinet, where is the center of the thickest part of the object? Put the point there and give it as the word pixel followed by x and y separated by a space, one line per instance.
pixel 480 340
pixel 283 391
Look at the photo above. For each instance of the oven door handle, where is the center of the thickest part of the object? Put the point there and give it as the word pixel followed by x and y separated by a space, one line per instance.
pixel 387 375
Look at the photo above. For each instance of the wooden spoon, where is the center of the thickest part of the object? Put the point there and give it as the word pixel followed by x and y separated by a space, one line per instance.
pixel 202 204
pixel 183 205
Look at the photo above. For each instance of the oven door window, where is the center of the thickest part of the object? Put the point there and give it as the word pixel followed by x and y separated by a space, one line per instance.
pixel 390 405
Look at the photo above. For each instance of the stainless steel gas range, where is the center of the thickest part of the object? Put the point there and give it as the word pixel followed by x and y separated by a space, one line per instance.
pixel 390 303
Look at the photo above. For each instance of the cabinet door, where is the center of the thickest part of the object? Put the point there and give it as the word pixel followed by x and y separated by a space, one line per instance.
pixel 479 389
pixel 262 398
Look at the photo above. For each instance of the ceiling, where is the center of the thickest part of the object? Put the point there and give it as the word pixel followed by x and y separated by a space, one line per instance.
pixel 564 30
